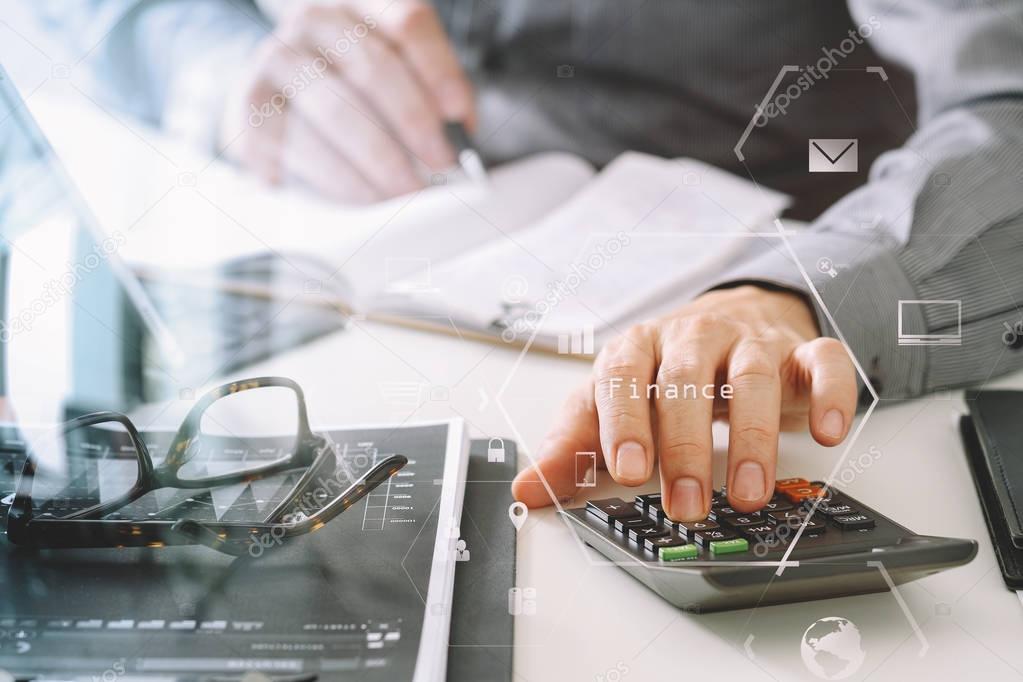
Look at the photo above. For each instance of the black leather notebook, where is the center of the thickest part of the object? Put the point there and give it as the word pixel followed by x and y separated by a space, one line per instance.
pixel 480 643
pixel 993 439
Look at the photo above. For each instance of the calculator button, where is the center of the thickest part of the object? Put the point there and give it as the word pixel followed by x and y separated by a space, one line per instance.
pixel 679 553
pixel 853 522
pixel 702 537
pixel 686 529
pixel 731 546
pixel 625 525
pixel 644 501
pixel 752 532
pixel 799 494
pixel 836 510
pixel 784 516
pixel 777 504
pixel 717 513
pixel 611 509
pixel 654 544
pixel 783 483
pixel 813 528
pixel 655 512
pixel 651 531
pixel 738 522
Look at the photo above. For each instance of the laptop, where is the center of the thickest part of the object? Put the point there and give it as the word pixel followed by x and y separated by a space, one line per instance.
pixel 909 336
pixel 70 294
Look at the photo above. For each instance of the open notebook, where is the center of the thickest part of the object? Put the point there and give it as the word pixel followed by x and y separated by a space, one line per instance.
pixel 549 251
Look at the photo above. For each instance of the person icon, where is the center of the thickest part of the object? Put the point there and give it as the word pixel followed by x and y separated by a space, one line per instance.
pixel 461 552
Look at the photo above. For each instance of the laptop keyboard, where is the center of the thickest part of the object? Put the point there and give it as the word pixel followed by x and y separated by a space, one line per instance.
pixel 222 331
pixel 643 526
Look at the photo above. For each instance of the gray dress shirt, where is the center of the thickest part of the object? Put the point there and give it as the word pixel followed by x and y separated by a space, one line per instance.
pixel 932 90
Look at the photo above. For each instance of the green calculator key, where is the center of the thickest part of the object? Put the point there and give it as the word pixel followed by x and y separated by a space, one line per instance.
pixel 729 546
pixel 679 553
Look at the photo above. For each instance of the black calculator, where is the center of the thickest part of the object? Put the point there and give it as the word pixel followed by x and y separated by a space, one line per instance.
pixel 808 542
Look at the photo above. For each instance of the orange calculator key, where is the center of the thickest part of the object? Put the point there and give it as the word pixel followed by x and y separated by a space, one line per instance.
pixel 783 483
pixel 807 492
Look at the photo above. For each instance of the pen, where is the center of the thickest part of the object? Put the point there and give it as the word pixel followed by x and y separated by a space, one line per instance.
pixel 468 157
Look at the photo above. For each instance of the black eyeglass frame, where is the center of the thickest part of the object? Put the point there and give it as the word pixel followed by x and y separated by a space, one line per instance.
pixel 87 528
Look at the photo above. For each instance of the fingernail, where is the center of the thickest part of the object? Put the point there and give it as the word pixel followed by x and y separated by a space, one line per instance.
pixel 833 424
pixel 748 483
pixel 631 461
pixel 686 499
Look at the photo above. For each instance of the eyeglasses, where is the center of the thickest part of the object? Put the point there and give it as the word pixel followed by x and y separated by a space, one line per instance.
pixel 101 488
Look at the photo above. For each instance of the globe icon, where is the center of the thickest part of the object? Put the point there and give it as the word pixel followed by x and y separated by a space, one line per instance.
pixel 831 648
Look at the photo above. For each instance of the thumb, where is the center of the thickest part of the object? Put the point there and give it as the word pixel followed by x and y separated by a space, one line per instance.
pixel 553 476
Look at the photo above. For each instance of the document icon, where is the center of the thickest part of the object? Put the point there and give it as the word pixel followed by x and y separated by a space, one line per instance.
pixel 834 156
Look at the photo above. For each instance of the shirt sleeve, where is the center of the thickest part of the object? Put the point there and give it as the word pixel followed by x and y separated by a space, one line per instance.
pixel 919 270
pixel 169 63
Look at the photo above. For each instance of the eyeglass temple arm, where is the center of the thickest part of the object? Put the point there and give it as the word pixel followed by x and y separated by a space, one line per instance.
pixel 325 463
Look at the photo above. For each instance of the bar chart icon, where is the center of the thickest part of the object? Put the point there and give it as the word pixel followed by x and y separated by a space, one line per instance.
pixel 578 342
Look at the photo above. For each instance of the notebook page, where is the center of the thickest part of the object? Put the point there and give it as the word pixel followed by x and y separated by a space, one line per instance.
pixel 188 214
pixel 643 230
pixel 365 248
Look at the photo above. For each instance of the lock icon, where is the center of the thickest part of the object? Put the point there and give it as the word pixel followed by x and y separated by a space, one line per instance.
pixel 495 450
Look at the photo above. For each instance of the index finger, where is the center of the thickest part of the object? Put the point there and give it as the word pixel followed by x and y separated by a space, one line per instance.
pixel 623 410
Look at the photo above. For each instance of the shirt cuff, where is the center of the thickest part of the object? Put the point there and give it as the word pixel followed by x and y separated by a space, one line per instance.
pixel 860 284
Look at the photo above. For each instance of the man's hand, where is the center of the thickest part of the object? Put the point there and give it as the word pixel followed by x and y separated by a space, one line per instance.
pixel 349 97
pixel 764 344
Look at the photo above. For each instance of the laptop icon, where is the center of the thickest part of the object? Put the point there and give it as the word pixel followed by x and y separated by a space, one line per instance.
pixel 910 312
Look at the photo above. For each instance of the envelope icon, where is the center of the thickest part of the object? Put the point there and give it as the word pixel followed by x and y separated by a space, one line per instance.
pixel 834 155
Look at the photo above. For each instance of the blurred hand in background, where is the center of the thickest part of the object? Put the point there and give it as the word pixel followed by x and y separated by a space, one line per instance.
pixel 350 98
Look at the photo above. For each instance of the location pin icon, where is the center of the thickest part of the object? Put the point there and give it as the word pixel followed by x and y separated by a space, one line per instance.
pixel 518 512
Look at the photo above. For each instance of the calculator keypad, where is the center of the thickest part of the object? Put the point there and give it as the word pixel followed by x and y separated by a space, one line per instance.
pixel 727 532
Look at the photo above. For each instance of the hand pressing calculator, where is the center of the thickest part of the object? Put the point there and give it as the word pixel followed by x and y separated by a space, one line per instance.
pixel 732 560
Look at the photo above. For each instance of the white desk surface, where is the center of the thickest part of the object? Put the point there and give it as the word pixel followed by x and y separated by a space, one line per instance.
pixel 593 619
